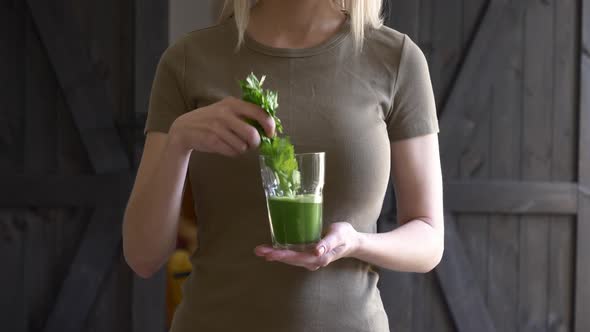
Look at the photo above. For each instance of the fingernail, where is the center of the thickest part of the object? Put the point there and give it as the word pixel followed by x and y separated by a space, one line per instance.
pixel 321 250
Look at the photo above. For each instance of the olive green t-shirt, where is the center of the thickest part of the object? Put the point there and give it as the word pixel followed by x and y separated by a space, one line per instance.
pixel 349 105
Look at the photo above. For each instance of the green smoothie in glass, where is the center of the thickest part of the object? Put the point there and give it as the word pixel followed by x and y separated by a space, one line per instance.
pixel 294 201
pixel 295 220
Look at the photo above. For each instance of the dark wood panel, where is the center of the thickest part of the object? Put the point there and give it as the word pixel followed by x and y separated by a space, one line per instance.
pixel 425 12
pixel 12 242
pixel 457 123
pixel 536 162
pixel 563 165
pixel 447 45
pixel 421 303
pixel 12 66
pixel 473 228
pixel 12 225
pixel 460 286
pixel 396 288
pixel 112 309
pixel 65 191
pixel 438 317
pixel 513 197
pixel 504 163
pixel 403 16
pixel 459 118
pixel 99 248
pixel 40 158
pixel 40 133
pixel 582 319
pixel 85 90
pixel 151 38
pixel 39 263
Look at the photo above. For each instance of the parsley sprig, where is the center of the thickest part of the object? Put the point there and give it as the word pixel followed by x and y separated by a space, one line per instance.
pixel 278 151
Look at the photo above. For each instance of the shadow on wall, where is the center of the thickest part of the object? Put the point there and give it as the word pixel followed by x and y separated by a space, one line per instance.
pixel 189 15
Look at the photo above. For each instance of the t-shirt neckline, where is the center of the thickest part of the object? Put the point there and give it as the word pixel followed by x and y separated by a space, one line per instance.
pixel 334 40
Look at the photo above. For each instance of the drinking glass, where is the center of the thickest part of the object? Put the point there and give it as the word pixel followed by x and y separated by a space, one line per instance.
pixel 294 203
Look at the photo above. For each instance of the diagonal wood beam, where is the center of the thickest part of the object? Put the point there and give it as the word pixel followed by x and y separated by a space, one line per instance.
pixel 89 101
pixel 95 256
pixel 459 285
pixel 85 91
pixel 458 119
pixel 457 123
pixel 582 287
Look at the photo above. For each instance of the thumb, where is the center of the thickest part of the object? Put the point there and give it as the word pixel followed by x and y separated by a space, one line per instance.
pixel 329 242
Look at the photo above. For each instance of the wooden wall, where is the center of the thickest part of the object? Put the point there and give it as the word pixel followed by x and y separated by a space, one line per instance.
pixel 527 131
pixel 38 139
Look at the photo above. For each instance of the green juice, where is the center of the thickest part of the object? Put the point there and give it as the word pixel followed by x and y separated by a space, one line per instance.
pixel 295 220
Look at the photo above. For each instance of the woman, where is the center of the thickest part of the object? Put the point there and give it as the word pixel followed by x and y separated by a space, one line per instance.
pixel 348 86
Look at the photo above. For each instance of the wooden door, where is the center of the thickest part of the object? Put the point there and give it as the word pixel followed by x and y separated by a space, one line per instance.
pixel 73 74
pixel 513 106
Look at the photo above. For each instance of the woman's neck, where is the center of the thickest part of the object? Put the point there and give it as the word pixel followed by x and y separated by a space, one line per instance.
pixel 294 23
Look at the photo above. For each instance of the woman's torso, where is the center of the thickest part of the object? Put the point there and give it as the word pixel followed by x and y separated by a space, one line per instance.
pixel 331 99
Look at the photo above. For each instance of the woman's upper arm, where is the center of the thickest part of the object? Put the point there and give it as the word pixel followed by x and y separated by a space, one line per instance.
pixel 416 172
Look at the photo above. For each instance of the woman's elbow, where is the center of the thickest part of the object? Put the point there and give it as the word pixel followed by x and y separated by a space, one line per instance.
pixel 434 259
pixel 140 267
pixel 434 255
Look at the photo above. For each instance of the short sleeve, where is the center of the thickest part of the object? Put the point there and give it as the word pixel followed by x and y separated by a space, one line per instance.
pixel 167 98
pixel 413 111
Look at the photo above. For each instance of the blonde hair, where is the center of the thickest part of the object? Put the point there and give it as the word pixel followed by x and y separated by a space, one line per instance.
pixel 363 14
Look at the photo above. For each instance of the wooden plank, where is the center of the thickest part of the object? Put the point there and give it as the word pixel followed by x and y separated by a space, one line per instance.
pixel 438 318
pixel 64 191
pixel 151 38
pixel 403 16
pixel 447 45
pixel 582 298
pixel 84 88
pixel 425 12
pixel 513 197
pixel 473 164
pixel 460 286
pixel 458 120
pixel 12 243
pixel 110 26
pixel 40 108
pixel 563 165
pixel 92 263
pixel 12 227
pixel 12 44
pixel 421 303
pixel 396 288
pixel 40 158
pixel 536 162
pixel 504 163
pixel 457 123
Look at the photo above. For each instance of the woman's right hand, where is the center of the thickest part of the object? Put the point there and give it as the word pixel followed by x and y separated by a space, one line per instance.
pixel 221 128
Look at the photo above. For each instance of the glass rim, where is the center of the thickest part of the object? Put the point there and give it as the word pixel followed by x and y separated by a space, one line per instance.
pixel 301 154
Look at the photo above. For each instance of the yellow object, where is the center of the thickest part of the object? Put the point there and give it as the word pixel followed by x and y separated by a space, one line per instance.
pixel 178 269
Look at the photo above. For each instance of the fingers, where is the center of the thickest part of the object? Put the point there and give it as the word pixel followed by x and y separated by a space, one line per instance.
pixel 250 111
pixel 247 134
pixel 306 260
pixel 326 245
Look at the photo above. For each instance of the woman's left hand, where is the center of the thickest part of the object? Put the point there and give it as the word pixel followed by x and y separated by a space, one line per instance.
pixel 341 240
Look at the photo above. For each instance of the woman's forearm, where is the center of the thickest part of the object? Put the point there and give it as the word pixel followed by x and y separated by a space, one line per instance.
pixel 151 219
pixel 415 246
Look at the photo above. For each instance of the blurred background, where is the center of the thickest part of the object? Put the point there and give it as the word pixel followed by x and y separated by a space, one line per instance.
pixel 512 83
